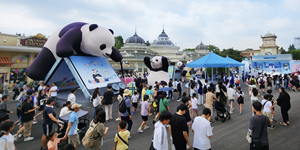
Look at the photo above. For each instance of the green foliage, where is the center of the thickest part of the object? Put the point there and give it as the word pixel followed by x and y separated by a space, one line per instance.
pixel 214 49
pixel 220 70
pixel 291 48
pixel 189 49
pixel 147 43
pixel 234 54
pixel 119 39
pixel 118 46
pixel 296 54
pixel 283 51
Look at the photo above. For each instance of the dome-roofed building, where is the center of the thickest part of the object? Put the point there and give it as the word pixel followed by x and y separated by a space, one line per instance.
pixel 134 51
pixel 165 47
pixel 202 49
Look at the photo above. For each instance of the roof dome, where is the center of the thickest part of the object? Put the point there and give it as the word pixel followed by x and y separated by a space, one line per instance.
pixel 135 39
pixel 201 46
pixel 163 39
pixel 269 34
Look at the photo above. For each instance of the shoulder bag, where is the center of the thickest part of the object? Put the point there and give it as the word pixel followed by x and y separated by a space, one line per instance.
pixel 256 142
pixel 224 92
pixel 123 140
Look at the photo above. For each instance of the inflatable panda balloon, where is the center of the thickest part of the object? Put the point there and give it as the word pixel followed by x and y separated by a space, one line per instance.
pixel 77 38
pixel 158 66
pixel 180 64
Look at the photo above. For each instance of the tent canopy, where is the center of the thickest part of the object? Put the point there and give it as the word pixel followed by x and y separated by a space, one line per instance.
pixel 234 63
pixel 210 60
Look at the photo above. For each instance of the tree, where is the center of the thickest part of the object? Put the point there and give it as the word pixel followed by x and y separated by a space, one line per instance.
pixel 118 46
pixel 214 49
pixel 291 48
pixel 189 49
pixel 234 54
pixel 283 51
pixel 147 43
pixel 119 39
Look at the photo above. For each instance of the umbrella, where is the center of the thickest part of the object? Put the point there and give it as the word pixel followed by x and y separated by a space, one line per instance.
pixel 165 89
pixel 276 74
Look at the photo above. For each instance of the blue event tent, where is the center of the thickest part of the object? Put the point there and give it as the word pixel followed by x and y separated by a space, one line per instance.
pixel 210 60
pixel 234 63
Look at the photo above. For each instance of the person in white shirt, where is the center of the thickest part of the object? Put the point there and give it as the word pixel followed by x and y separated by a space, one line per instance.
pixel 231 97
pixel 253 96
pixel 202 131
pixel 95 100
pixel 6 139
pixel 72 97
pixel 268 109
pixel 42 87
pixel 194 105
pixel 175 87
pixel 160 138
pixel 179 90
pixel 66 109
pixel 53 91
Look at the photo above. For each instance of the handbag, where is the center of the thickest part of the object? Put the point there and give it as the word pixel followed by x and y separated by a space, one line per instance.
pixel 224 93
pixel 256 142
pixel 249 137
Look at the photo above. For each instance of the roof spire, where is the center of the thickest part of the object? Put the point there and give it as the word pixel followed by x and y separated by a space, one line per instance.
pixel 163 27
pixel 135 31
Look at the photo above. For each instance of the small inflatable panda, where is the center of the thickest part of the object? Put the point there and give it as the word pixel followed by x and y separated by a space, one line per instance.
pixel 97 76
pixel 158 66
pixel 77 38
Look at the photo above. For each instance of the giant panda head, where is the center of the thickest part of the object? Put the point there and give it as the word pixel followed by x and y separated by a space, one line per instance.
pixel 99 41
pixel 156 62
pixel 179 64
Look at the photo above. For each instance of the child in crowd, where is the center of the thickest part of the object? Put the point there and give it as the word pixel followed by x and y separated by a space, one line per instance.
pixel 6 139
pixel 119 98
pixel 268 109
pixel 269 93
pixel 144 92
pixel 53 140
pixel 194 105
pixel 134 102
pixel 144 113
pixel 121 138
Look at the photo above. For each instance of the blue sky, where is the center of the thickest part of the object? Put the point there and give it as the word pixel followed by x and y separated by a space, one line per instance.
pixel 224 23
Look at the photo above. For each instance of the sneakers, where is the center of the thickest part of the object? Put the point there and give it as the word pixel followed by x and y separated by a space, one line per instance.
pixel 147 127
pixel 240 114
pixel 150 114
pixel 139 130
pixel 28 139
pixel 232 109
pixel 129 137
pixel 16 137
pixel 118 119
pixel 272 127
pixel 34 122
pixel 231 112
pixel 178 100
pixel 20 135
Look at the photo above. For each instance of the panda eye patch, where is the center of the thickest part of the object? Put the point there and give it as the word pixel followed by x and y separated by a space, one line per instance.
pixel 102 47
pixel 156 59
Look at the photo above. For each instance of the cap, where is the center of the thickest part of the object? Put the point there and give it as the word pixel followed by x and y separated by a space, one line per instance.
pixel 76 105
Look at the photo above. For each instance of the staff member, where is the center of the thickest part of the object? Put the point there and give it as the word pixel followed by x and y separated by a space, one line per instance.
pixel 49 117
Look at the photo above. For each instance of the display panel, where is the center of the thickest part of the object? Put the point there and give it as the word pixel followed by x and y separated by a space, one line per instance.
pixel 171 72
pixel 63 77
pixel 94 71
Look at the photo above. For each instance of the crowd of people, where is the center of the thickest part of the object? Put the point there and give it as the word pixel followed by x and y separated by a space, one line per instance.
pixel 153 100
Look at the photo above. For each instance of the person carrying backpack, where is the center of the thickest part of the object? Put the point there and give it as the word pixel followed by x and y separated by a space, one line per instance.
pixel 269 82
pixel 94 136
pixel 179 88
pixel 6 139
pixel 126 115
pixel 253 82
pixel 261 84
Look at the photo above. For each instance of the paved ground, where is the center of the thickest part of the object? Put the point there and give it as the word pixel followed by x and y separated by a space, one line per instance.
pixel 226 136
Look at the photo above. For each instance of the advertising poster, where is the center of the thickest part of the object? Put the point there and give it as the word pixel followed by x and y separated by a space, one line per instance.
pixel 63 77
pixel 94 71
pixel 171 72
pixel 295 66
pixel 268 51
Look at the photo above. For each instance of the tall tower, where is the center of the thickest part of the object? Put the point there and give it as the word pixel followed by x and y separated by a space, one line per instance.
pixel 297 42
pixel 269 46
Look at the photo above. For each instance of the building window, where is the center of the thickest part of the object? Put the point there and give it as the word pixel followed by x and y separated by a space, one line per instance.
pixel 145 69
pixel 140 70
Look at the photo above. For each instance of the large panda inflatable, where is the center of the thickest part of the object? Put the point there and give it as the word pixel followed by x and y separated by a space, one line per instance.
pixel 158 66
pixel 77 38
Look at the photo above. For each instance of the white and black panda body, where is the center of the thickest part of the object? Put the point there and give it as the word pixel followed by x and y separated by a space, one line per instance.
pixel 158 66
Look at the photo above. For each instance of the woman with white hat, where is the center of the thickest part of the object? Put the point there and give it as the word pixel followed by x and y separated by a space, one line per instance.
pixel 126 116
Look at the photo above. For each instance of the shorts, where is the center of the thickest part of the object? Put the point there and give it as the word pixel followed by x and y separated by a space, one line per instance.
pixel 194 109
pixel 269 115
pixel 269 84
pixel 134 105
pixel 231 100
pixel 254 86
pixel 73 139
pixel 4 118
pixel 252 101
pixel 241 101
pixel 145 118
pixel 47 128
pixel 262 87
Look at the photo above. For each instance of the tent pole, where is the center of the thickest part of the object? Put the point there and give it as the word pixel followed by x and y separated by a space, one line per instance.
pixel 212 74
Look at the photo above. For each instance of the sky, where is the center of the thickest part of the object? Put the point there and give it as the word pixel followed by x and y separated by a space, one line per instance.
pixel 224 23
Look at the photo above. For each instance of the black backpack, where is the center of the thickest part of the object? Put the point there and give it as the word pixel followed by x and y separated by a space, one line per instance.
pixel 252 82
pixel 179 86
pixel 122 106
pixel 170 84
pixel 205 89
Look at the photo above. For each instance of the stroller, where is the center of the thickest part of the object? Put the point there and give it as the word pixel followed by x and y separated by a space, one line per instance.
pixel 222 112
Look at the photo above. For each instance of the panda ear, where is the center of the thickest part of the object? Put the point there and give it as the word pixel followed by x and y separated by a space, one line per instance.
pixel 112 32
pixel 93 27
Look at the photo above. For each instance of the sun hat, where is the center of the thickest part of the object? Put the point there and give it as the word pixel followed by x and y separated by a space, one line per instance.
pixel 76 105
pixel 126 92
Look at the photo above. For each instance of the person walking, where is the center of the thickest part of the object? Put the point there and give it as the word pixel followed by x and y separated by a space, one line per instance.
pixel 53 92
pixel 223 97
pixel 179 88
pixel 160 138
pixel 100 131
pixel 268 109
pixel 231 97
pixel 200 93
pixel 66 109
pixel 194 105
pixel 95 101
pixel 240 99
pixel 258 126
pixel 171 92
pixel 16 90
pixel 151 95
pixel 107 100
pixel 126 116
pixel 285 105
pixel 5 87
pixel 254 96
pixel 210 98
pixel 71 132
pixel 72 97
pixel 218 89
pixel 262 86
pixel 6 139
pixel 144 113
pixel 3 109
pixel 202 131
pixel 178 129
pixel 49 118
pixel 27 113
pixel 122 137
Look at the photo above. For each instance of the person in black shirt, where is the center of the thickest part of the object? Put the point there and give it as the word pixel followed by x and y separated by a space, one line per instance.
pixel 42 95
pixel 178 129
pixel 49 118
pixel 171 92
pixel 185 101
pixel 27 113
pixel 107 100
pixel 285 104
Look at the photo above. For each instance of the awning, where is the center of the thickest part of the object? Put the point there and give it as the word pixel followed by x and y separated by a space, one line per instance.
pixel 5 61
